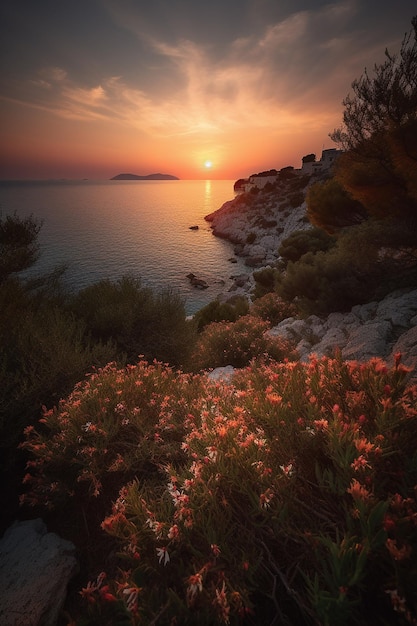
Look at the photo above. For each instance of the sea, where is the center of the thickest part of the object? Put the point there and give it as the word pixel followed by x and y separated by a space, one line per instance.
pixel 108 229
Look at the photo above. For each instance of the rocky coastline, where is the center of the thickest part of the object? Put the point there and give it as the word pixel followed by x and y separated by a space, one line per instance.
pixel 256 224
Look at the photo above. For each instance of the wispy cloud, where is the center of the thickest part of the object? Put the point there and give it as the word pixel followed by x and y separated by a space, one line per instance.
pixel 286 75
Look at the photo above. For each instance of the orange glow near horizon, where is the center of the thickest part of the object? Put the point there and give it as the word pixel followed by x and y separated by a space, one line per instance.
pixel 45 146
pixel 191 108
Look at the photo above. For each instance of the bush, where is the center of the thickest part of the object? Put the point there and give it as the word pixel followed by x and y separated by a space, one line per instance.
pixel 302 241
pixel 296 199
pixel 362 266
pixel 272 308
pixel 19 247
pixel 217 311
pixel 224 343
pixel 138 320
pixel 287 495
pixel 264 281
pixel 45 351
pixel 117 424
pixel 332 208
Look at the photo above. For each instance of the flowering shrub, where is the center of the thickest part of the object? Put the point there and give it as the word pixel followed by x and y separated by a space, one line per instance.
pixel 117 424
pixel 272 308
pixel 288 495
pixel 237 343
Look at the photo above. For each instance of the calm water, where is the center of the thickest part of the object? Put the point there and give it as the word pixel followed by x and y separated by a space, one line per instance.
pixel 108 229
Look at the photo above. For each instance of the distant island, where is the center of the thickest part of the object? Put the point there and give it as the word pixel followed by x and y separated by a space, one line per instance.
pixel 148 177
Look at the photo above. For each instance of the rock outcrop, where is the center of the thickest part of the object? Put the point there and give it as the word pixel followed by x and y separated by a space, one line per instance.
pixel 257 224
pixel 35 568
pixel 377 329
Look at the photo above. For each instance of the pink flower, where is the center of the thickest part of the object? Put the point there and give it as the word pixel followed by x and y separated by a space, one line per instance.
pixel 360 463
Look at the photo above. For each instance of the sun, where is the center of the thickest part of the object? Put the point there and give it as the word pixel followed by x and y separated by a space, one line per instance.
pixel 208 164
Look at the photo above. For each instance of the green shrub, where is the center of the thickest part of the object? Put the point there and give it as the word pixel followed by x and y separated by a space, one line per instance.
pixel 45 351
pixel 138 320
pixel 365 264
pixel 302 241
pixel 217 311
pixel 331 207
pixel 264 281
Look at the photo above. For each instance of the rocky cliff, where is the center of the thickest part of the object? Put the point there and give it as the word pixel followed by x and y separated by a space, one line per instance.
pixel 257 224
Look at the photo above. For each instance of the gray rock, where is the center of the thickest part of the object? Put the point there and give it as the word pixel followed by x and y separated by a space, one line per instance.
pixel 333 339
pixel 407 346
pixel 398 308
pixel 365 312
pixel 369 340
pixel 378 329
pixel 222 373
pixel 35 568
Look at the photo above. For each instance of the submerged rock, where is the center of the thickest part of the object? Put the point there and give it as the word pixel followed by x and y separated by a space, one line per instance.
pixel 198 283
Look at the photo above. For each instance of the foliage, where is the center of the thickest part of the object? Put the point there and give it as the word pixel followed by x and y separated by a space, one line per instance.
pixel 45 351
pixel 217 311
pixel 296 199
pixel 138 320
pixel 264 281
pixel 379 136
pixel 309 158
pixel 302 241
pixel 224 343
pixel 288 495
pixel 367 262
pixel 286 173
pixel 272 308
pixel 382 102
pixel 331 208
pixel 118 423
pixel 18 244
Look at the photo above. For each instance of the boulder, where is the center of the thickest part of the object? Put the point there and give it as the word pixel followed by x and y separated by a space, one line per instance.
pixel 369 340
pixel 222 373
pixel 376 329
pixel 332 340
pixel 198 283
pixel 406 345
pixel 35 569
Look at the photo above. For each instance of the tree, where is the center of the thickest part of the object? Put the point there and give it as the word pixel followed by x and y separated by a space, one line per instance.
pixel 19 245
pixel 383 103
pixel 331 207
pixel 379 136
pixel 309 158
pixel 302 241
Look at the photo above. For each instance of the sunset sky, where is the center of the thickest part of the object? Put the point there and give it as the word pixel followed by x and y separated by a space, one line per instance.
pixel 215 89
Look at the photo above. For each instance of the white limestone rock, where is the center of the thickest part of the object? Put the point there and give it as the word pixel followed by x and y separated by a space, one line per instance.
pixel 35 569
pixel 222 373
pixel 376 329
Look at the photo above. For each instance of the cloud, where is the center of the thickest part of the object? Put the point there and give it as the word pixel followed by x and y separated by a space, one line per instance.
pixel 292 73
